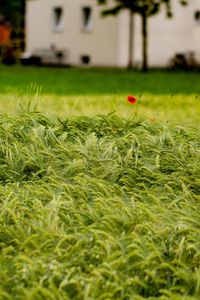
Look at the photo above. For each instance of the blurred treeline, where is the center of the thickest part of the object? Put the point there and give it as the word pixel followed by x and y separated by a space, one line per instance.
pixel 12 20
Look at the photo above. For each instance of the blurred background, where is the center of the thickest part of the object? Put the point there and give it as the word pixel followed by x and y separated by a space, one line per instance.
pixel 66 32
pixel 12 30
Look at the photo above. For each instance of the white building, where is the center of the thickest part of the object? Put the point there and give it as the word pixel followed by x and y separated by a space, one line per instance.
pixel 77 28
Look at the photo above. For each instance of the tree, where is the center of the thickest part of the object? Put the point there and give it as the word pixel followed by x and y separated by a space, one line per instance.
pixel 145 8
pixel 13 12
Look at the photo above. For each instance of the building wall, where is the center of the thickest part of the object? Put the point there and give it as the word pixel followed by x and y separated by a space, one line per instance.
pixel 107 43
pixel 196 30
pixel 168 36
pixel 100 44
pixel 123 39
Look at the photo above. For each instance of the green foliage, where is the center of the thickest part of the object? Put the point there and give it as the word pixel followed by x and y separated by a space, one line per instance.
pixel 13 11
pixel 98 208
pixel 142 7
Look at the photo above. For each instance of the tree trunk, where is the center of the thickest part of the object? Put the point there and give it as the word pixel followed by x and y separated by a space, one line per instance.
pixel 131 32
pixel 144 43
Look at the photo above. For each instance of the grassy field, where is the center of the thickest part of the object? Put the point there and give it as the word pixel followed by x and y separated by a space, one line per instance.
pixel 100 199
pixel 164 95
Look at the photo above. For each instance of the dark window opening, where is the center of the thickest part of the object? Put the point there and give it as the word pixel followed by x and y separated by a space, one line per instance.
pixel 87 18
pixel 197 15
pixel 58 18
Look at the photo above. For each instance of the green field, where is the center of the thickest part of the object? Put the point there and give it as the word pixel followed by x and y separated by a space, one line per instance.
pixel 100 199
pixel 164 95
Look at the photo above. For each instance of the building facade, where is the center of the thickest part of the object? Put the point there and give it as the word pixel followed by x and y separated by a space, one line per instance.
pixel 77 29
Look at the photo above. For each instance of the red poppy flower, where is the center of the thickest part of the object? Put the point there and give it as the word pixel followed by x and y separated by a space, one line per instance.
pixel 131 99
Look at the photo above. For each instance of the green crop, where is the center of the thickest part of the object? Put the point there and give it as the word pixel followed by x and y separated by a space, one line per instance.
pixel 100 207
pixel 99 199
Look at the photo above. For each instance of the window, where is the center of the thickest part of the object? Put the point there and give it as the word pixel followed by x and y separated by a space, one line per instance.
pixel 58 19
pixel 197 16
pixel 87 22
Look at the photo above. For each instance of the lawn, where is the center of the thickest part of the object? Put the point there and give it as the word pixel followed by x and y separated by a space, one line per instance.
pixel 164 95
pixel 100 199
